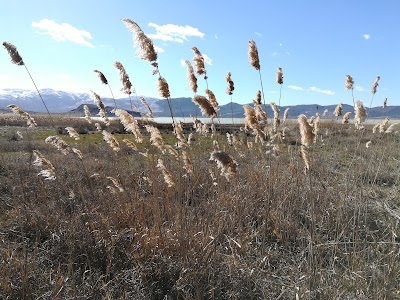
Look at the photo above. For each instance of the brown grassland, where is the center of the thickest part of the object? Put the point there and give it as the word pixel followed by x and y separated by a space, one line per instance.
pixel 298 209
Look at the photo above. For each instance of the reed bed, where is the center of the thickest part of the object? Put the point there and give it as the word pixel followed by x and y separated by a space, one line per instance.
pixel 123 209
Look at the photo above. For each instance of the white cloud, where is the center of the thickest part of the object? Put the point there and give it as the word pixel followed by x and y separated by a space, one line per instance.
pixel 159 49
pixel 63 32
pixel 366 36
pixel 174 33
pixel 295 87
pixel 359 88
pixel 207 60
pixel 318 90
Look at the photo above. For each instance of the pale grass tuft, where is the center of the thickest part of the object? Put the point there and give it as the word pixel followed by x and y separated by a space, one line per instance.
pixel 191 77
pixel 349 82
pixel 383 125
pixel 87 114
pixel 205 106
pixel 187 163
pixel 72 133
pixel 116 184
pixel 225 163
pixel 14 55
pixel 103 78
pixel 145 45
pixel 102 108
pixel 306 131
pixel 163 88
pixel 130 144
pixel 198 60
pixel 375 85
pixel 375 128
pixel 231 87
pixel 285 115
pixel 317 123
pixel 126 83
pixel 360 115
pixel 338 110
pixel 368 144
pixel 279 76
pixel 346 116
pixel 48 171
pixel 392 128
pixel 130 123
pixel 169 180
pixel 254 59
pixel 29 120
pixel 325 113
pixel 58 143
pixel 111 140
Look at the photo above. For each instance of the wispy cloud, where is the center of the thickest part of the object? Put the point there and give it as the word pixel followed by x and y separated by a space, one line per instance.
pixel 63 32
pixel 174 33
pixel 359 88
pixel 159 49
pixel 366 36
pixel 257 33
pixel 321 91
pixel 216 36
pixel 295 87
pixel 207 59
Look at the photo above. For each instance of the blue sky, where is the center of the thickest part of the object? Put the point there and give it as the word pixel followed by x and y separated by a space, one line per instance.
pixel 315 42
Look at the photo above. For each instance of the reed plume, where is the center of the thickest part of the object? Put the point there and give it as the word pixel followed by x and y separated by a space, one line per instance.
pixel 205 106
pixel 145 45
pixel 87 114
pixel 225 163
pixel 254 59
pixel 317 123
pixel 111 140
pixel 279 80
pixel 198 60
pixel 104 80
pixel 260 114
pixel 258 98
pixel 130 123
pixel 368 144
pixel 48 170
pixel 29 120
pixel 59 144
pixel 346 116
pixel 157 140
pixel 72 133
pixel 277 121
pixel 251 121
pixel 17 60
pixel 383 125
pixel 392 128
pixel 338 110
pixel 385 103
pixel 178 130
pixel 102 108
pixel 375 128
pixel 349 82
pixel 360 115
pixel 325 113
pixel 163 88
pixel 126 83
pixel 169 180
pixel 212 99
pixel 231 86
pixel 191 77
pixel 285 115
pixel 149 111
pixel 375 85
pixel 187 163
pixel 306 131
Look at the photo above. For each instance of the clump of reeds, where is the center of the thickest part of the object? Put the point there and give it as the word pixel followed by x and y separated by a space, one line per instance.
pixel 191 77
pixel 205 106
pixel 102 108
pixel 17 110
pixel 169 180
pixel 360 115
pixel 87 114
pixel 338 110
pixel 225 163
pixel 306 131
pixel 17 60
pixel 48 170
pixel 111 140
pixel 346 116
pixel 130 123
pixel 145 45
pixel 279 80
pixel 72 133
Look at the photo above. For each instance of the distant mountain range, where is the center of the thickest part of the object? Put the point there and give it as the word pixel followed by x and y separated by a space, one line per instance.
pixel 72 103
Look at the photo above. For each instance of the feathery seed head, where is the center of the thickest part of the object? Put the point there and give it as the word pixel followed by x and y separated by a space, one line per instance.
pixel 198 60
pixel 231 87
pixel 205 106
pixel 349 82
pixel 212 99
pixel 191 76
pixel 72 133
pixel 126 83
pixel 254 59
pixel 29 120
pixel 375 85
pixel 338 110
pixel 14 55
pixel 360 114
pixel 225 163
pixel 169 180
pixel 306 131
pixel 101 76
pixel 279 76
pixel 163 88
pixel 87 114
pixel 346 117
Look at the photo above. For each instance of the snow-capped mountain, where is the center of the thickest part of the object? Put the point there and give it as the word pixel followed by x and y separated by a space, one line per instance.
pixel 62 101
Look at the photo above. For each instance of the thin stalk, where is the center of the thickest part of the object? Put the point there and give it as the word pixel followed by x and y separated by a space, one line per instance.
pixel 115 102
pixel 280 96
pixel 40 95
pixel 262 90
pixel 232 114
